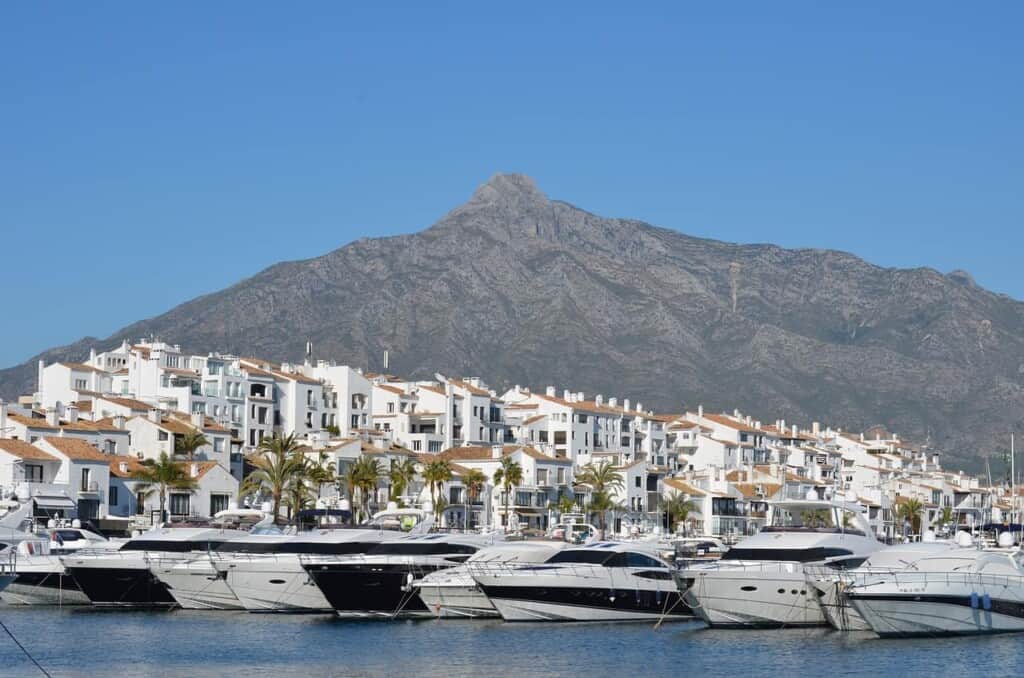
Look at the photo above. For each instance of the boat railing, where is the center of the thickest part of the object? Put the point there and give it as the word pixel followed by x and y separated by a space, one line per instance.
pixel 864 579
pixel 760 566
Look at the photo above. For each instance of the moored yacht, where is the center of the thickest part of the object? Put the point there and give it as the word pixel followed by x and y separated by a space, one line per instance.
pixel 379 582
pixel 965 591
pixel 265 574
pixel 41 578
pixel 831 584
pixel 760 582
pixel 452 592
pixel 603 581
pixel 123 578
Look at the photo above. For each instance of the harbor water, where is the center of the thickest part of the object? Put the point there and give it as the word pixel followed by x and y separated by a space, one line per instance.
pixel 91 642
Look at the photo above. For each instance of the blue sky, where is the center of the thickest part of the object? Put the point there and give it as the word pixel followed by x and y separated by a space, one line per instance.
pixel 151 152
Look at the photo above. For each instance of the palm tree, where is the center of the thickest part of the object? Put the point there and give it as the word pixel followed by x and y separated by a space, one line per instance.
pixel 678 506
pixel 508 475
pixel 602 479
pixel 600 504
pixel 401 475
pixel 566 504
pixel 475 480
pixel 910 510
pixel 947 515
pixel 324 472
pixel 362 477
pixel 297 497
pixel 437 473
pixel 278 464
pixel 162 475
pixel 189 443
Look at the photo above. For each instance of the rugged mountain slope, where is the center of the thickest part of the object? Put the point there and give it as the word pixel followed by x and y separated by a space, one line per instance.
pixel 518 288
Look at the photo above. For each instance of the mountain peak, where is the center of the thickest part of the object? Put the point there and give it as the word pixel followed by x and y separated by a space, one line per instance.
pixel 508 187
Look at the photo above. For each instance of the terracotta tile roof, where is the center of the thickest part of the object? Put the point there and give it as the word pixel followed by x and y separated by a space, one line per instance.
pixel 83 405
pixel 392 389
pixel 76 449
pixel 81 367
pixel 534 419
pixel 133 466
pixel 209 424
pixel 485 453
pixel 432 389
pixel 685 487
pixel 33 422
pixel 130 403
pixel 466 386
pixel 729 422
pixel 522 406
pixel 749 490
pixel 22 450
pixel 296 377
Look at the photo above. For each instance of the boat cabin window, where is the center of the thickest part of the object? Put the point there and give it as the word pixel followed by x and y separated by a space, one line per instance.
pixel 631 559
pixel 325 548
pixel 811 555
pixel 795 518
pixel 170 546
pixel 437 548
pixel 588 556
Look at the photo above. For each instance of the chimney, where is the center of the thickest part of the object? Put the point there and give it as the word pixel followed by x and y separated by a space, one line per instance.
pixel 566 395
pixel 736 413
pixel 198 420
pixel 550 391
pixel 782 426
pixel 119 421
pixel 625 404
pixel 193 470
pixel 123 466
pixel 51 416
pixel 862 437
pixel 71 412
pixel 39 375
pixel 496 452
pixel 387 361
pixel 579 397
pixel 639 407
pixel 796 430
pixel 3 419
pixel 153 415
pixel 613 402
pixel 700 411
pixel 92 357
pixel 757 424
pixel 599 399
pixel 815 428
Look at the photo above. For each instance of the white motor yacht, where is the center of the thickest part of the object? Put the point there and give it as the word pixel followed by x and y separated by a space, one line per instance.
pixel 41 577
pixel 123 578
pixel 602 581
pixel 760 582
pixel 379 582
pixel 965 591
pixel 831 584
pixel 452 592
pixel 264 573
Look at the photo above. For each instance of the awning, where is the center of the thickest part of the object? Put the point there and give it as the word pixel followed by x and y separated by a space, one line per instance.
pixel 54 503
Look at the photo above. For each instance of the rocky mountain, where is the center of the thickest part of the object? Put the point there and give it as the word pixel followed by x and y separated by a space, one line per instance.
pixel 518 288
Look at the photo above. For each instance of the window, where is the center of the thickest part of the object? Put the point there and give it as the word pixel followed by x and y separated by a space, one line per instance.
pixel 34 473
pixel 218 503
pixel 417 445
pixel 639 481
pixel 162 436
pixel 355 421
pixel 434 446
pixel 559 438
pixel 113 497
pixel 180 504
pixel 86 477
pixel 140 503
pixel 218 444
pixel 391 408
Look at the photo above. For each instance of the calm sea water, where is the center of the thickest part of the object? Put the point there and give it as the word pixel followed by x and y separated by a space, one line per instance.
pixel 86 642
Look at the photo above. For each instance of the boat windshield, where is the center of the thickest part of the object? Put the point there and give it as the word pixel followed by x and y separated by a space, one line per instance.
pixel 812 519
pixel 589 556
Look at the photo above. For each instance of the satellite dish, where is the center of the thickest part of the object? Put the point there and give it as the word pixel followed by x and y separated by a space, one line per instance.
pixel 1005 540
pixel 964 539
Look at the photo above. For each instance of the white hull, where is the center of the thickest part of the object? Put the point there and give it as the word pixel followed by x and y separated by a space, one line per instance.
pixel 527 610
pixel 900 618
pixel 755 598
pixel 196 585
pixel 27 594
pixel 839 613
pixel 273 584
pixel 456 601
